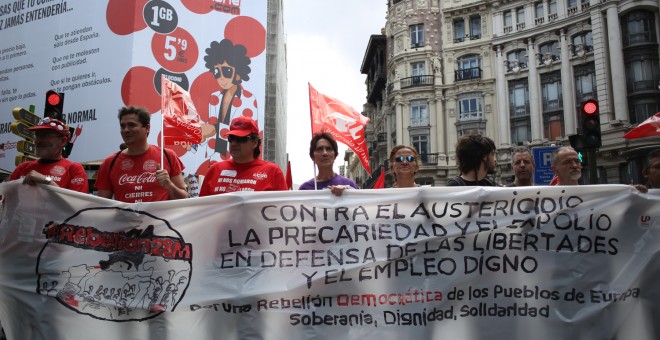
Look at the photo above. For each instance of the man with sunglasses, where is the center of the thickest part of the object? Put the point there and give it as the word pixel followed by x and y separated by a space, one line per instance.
pixel 244 171
pixel 51 168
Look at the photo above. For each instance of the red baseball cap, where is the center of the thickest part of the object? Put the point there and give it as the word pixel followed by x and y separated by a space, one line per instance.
pixel 52 124
pixel 243 126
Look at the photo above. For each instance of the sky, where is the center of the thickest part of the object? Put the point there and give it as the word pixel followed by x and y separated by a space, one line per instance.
pixel 326 42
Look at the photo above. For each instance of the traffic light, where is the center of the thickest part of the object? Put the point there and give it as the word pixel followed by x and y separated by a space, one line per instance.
pixel 54 107
pixel 591 124
pixel 66 150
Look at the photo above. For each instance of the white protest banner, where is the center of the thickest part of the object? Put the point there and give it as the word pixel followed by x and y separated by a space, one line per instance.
pixel 419 263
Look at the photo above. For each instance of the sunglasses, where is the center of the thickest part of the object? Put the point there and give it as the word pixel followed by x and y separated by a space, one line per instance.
pixel 240 140
pixel 400 159
pixel 224 71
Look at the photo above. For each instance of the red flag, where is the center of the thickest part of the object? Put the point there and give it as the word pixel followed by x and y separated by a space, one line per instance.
pixel 289 178
pixel 180 118
pixel 380 182
pixel 647 128
pixel 341 121
pixel 554 180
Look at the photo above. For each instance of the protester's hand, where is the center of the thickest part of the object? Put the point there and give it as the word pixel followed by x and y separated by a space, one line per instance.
pixel 642 188
pixel 34 178
pixel 163 177
pixel 208 130
pixel 337 190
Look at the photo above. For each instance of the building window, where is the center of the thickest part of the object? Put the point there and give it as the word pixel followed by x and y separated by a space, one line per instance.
pixel 642 108
pixel 549 52
pixel 419 113
pixel 538 10
pixel 468 68
pixel 552 106
pixel 638 27
pixel 421 143
pixel 470 106
pixel 642 73
pixel 459 30
pixel 519 112
pixel 475 28
pixel 508 21
pixel 585 83
pixel 520 18
pixel 417 35
pixel 417 69
pixel 582 44
pixel 552 8
pixel 517 58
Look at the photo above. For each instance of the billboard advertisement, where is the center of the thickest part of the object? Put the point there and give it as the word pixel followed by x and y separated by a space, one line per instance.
pixel 106 54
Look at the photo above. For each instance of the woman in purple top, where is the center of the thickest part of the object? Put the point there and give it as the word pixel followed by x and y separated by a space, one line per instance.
pixel 323 151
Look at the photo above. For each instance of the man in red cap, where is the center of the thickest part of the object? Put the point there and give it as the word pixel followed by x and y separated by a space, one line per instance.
pixel 244 171
pixel 51 168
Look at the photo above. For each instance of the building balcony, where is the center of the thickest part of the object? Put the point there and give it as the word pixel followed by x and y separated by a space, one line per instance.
pixel 416 81
pixel 572 10
pixel 417 122
pixel 467 74
pixel 428 158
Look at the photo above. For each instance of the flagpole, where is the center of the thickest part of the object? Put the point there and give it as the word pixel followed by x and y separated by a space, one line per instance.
pixel 162 123
pixel 311 123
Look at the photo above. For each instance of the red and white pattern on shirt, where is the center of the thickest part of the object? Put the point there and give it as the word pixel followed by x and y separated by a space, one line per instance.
pixel 127 164
pixel 150 166
pixel 58 171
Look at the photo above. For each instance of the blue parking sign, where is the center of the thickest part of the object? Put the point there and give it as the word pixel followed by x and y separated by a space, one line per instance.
pixel 543 164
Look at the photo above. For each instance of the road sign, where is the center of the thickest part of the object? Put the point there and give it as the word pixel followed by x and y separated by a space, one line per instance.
pixel 543 164
pixel 26 147
pixel 25 116
pixel 21 129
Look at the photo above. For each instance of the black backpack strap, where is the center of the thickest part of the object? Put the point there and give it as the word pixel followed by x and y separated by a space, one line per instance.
pixel 112 163
pixel 114 159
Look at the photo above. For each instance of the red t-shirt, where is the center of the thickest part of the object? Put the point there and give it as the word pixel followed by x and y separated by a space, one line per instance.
pixel 132 178
pixel 229 176
pixel 66 174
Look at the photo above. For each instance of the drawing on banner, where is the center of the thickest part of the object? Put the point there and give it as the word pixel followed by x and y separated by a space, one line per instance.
pixel 128 275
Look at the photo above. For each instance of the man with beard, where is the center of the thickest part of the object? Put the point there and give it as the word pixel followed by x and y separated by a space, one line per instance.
pixel 566 165
pixel 475 155
pixel 51 135
pixel 523 168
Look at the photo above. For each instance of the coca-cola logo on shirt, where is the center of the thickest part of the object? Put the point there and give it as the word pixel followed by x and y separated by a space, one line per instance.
pixel 150 166
pixel 145 177
pixel 126 164
pixel 57 170
pixel 77 180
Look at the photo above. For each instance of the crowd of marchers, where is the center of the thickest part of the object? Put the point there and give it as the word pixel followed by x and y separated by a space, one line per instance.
pixel 141 172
